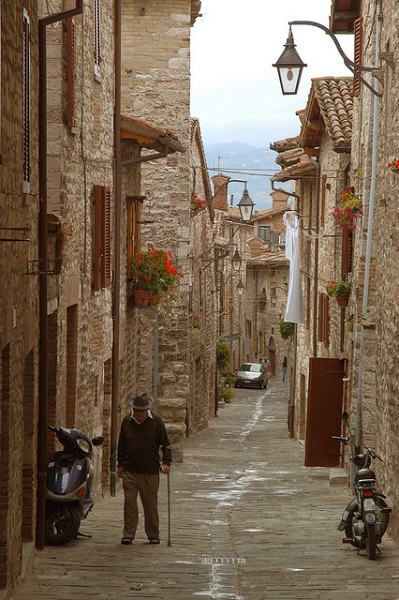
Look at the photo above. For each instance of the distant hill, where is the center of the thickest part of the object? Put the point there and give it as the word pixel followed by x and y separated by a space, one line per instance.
pixel 227 158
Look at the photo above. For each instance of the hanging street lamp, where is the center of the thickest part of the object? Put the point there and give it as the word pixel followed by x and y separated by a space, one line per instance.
pixel 246 206
pixel 289 67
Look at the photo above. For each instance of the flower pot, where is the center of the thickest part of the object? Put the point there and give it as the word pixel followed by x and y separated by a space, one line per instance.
pixel 343 301
pixel 141 297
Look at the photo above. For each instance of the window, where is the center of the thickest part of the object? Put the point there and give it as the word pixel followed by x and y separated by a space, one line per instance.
pixel 26 102
pixel 97 39
pixel 70 74
pixel 133 228
pixel 102 237
pixel 265 233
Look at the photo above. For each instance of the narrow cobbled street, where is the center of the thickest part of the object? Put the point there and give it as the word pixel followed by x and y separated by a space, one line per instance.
pixel 248 521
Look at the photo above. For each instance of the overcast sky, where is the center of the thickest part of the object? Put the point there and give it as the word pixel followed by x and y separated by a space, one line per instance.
pixel 235 90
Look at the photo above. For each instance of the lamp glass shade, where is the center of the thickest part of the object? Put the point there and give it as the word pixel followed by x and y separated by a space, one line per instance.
pixel 240 288
pixel 289 67
pixel 289 79
pixel 246 206
pixel 236 261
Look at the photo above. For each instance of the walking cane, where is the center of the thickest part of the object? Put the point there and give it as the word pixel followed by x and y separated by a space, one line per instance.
pixel 168 484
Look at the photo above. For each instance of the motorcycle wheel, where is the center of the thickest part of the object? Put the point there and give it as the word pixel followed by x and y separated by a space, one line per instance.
pixel 358 542
pixel 371 544
pixel 62 524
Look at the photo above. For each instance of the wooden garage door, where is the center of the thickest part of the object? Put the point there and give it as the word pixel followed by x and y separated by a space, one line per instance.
pixel 324 412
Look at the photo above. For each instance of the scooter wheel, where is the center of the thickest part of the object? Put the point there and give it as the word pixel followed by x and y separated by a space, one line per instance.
pixel 371 544
pixel 357 541
pixel 62 524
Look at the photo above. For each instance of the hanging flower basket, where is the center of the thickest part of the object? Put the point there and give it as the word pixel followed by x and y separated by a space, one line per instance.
pixel 348 209
pixel 153 272
pixel 394 166
pixel 141 297
pixel 343 301
pixel 340 290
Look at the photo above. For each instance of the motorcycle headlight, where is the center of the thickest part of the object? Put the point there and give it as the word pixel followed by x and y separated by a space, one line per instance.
pixel 370 517
pixel 83 444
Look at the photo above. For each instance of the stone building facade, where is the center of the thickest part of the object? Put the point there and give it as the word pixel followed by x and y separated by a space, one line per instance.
pixel 155 86
pixel 362 337
pixel 19 332
pixel 73 349
pixel 318 162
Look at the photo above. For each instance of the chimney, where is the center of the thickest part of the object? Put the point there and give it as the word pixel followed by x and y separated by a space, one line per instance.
pixel 279 199
pixel 220 182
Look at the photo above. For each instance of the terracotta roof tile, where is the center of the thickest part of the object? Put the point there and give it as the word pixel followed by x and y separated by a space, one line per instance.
pixel 330 99
pixel 287 144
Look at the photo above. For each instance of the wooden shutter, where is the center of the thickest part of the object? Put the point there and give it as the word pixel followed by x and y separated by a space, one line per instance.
pixel 97 38
pixel 133 228
pixel 106 237
pixel 26 102
pixel 255 338
pixel 320 319
pixel 70 24
pixel 358 52
pixel 97 242
pixel 323 319
pixel 326 319
pixel 347 250
pixel 323 199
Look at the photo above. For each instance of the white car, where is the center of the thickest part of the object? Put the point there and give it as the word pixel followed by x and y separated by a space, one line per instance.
pixel 252 375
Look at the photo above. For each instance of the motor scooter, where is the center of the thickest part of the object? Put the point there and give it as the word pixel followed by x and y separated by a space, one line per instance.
pixel 366 517
pixel 69 485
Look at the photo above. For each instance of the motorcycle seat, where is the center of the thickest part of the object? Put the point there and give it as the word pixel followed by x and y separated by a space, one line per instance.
pixel 365 475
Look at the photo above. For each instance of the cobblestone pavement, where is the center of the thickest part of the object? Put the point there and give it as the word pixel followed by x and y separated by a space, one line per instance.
pixel 248 521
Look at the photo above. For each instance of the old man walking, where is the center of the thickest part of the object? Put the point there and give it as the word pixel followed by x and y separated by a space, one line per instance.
pixel 142 441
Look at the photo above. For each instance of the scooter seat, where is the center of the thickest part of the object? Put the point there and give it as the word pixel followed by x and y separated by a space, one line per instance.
pixel 365 474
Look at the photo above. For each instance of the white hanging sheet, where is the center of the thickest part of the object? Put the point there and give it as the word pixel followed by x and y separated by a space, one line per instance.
pixel 295 308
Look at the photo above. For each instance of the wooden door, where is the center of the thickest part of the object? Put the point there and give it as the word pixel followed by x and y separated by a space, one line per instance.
pixel 325 394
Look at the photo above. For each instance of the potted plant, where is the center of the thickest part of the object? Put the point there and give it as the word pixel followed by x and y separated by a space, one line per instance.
pixel 197 204
pixel 153 273
pixel 340 290
pixel 223 356
pixel 348 209
pixel 228 394
pixel 286 329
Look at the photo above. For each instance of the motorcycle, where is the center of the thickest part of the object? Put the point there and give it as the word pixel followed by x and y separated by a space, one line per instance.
pixel 366 517
pixel 69 485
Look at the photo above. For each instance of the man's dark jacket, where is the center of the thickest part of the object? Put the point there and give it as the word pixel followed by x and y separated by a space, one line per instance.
pixel 139 445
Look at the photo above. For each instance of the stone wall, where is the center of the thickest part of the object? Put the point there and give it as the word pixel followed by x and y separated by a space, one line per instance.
pixel 379 350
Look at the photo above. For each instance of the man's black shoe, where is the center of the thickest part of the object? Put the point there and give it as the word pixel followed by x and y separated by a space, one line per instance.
pixel 126 541
pixel 154 541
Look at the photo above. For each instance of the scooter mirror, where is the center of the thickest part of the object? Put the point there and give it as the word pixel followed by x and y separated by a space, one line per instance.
pixel 97 441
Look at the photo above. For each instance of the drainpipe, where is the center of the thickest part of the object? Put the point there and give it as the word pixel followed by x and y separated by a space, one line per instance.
pixel 117 252
pixel 316 258
pixel 374 143
pixel 42 251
